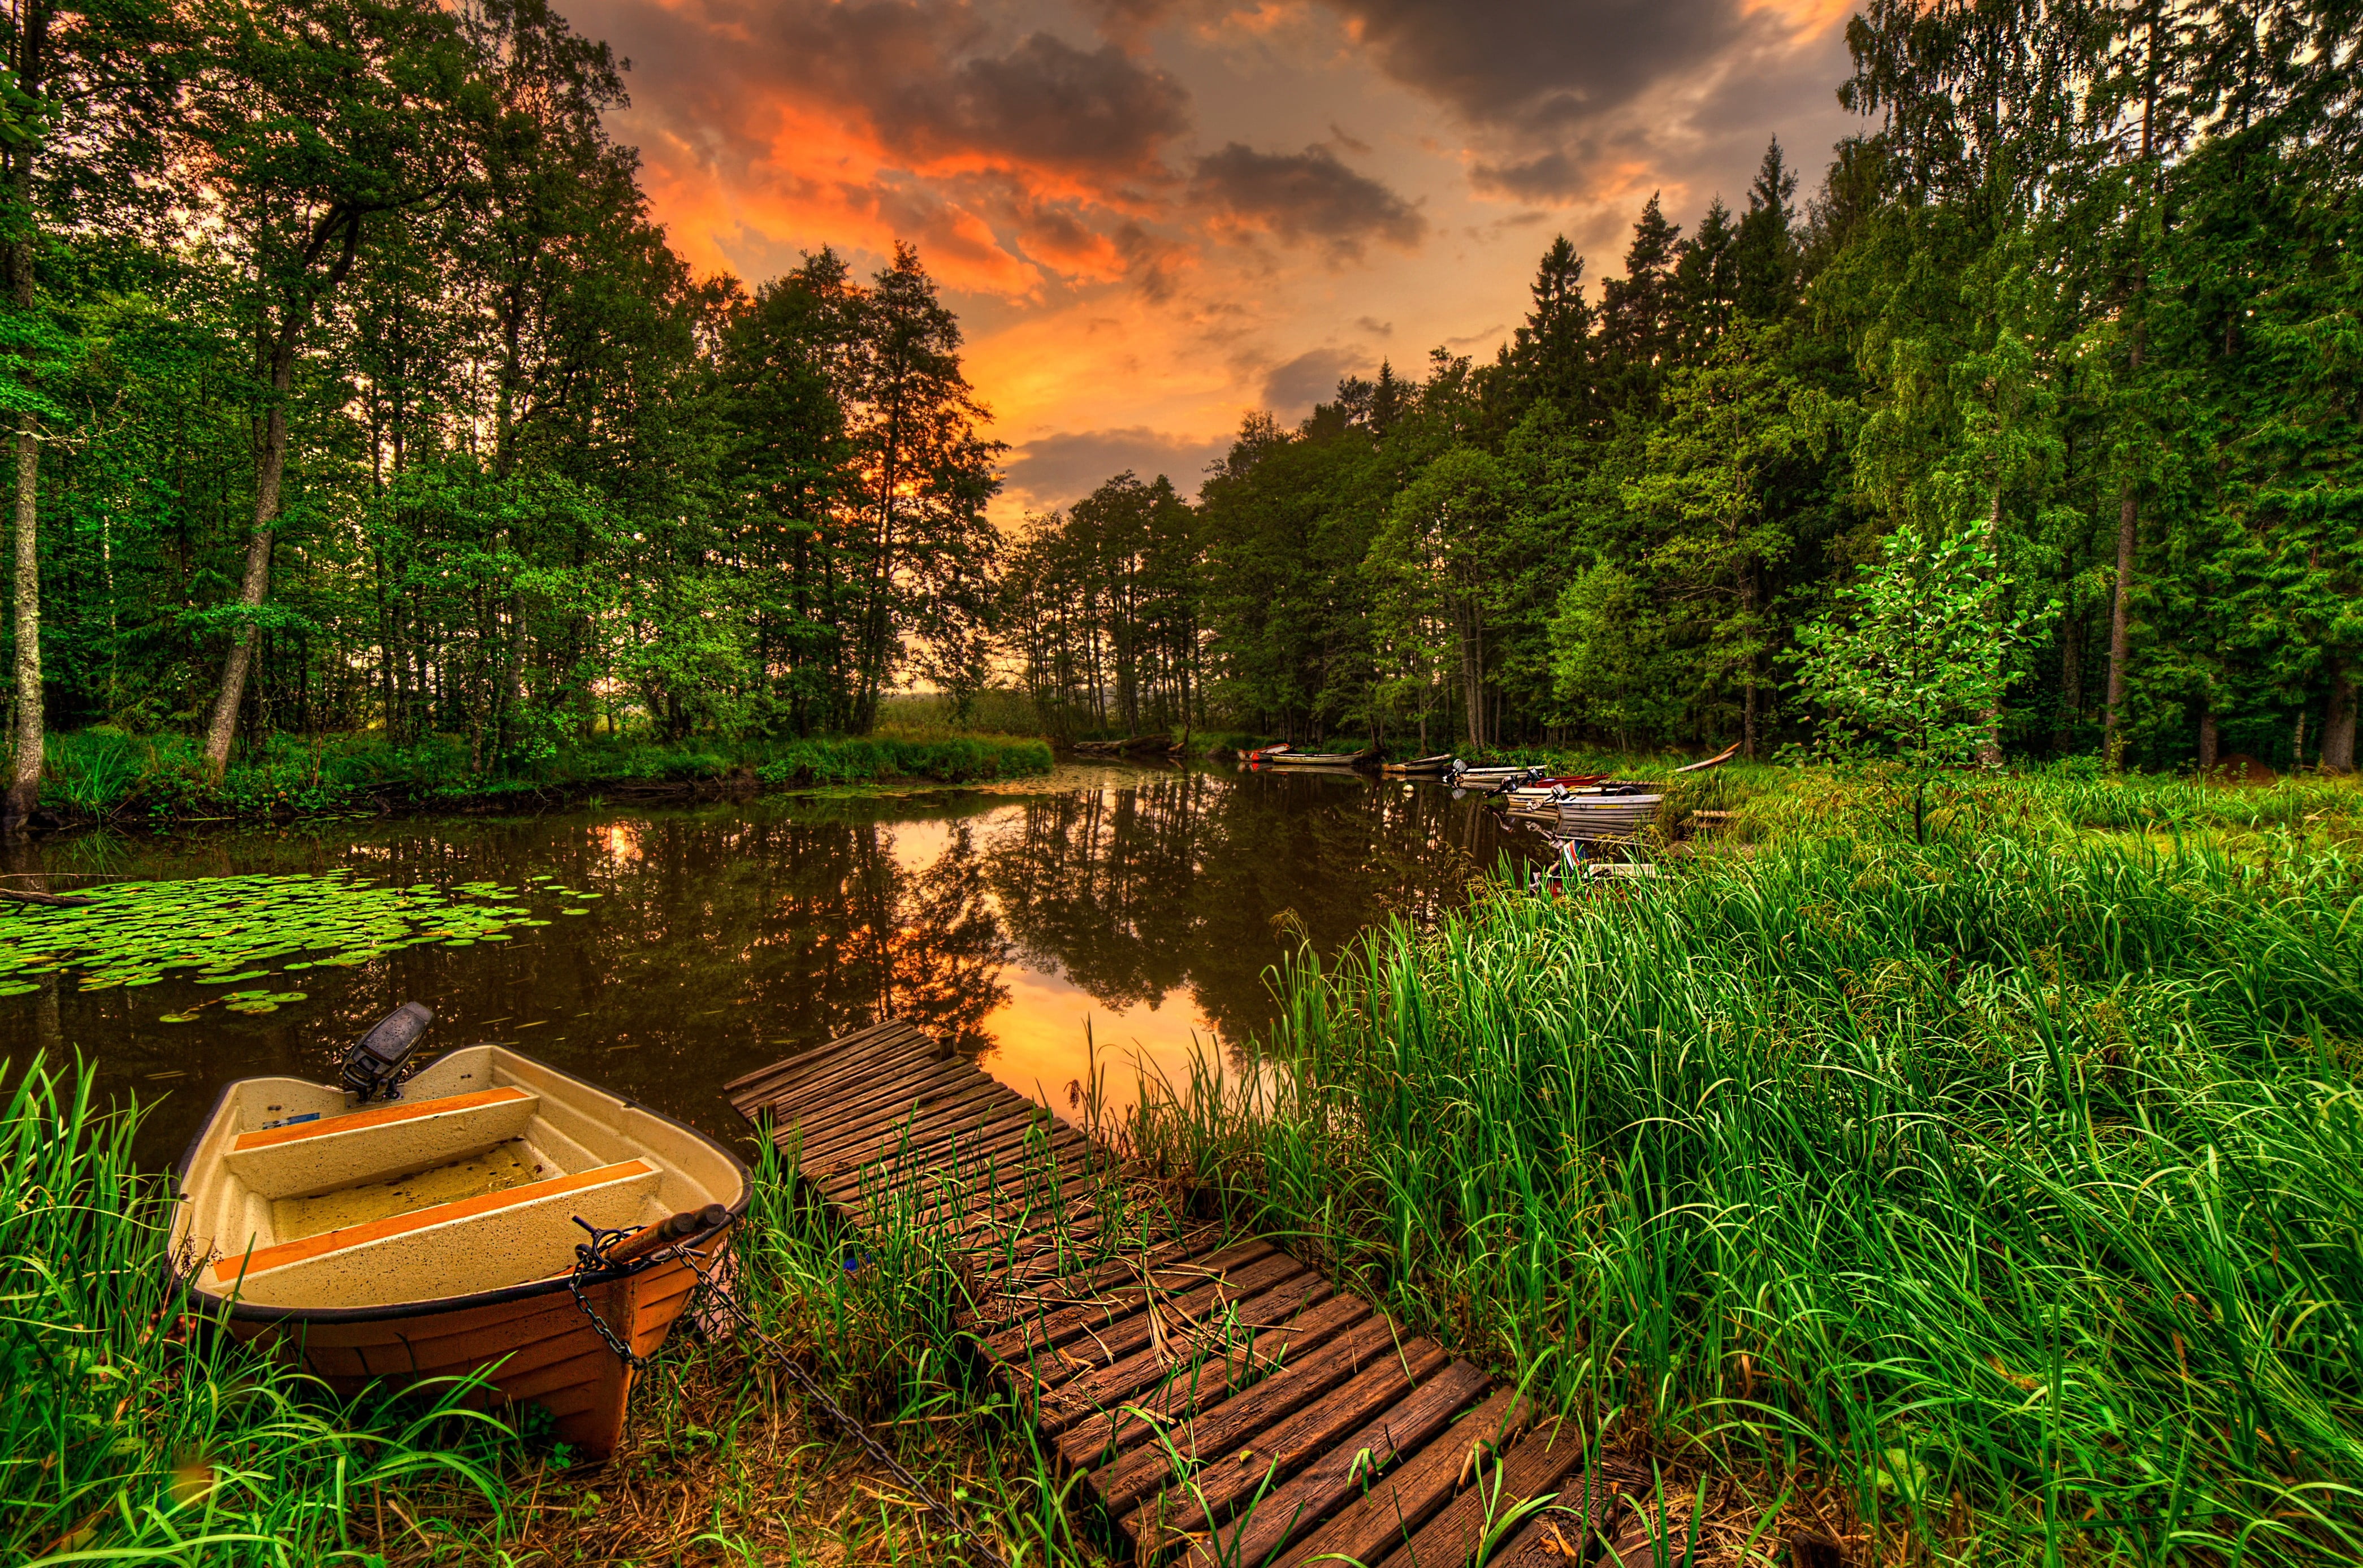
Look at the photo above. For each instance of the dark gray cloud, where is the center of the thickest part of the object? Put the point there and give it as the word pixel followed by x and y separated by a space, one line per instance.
pixel 1536 63
pixel 1047 102
pixel 1292 390
pixel 1058 469
pixel 1307 196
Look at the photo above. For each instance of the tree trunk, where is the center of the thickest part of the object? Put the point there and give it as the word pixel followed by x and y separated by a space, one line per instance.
pixel 24 776
pixel 24 795
pixel 2071 681
pixel 2209 743
pixel 2113 743
pixel 2338 720
pixel 270 467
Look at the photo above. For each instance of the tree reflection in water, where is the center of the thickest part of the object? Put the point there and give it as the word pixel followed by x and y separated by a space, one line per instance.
pixel 727 935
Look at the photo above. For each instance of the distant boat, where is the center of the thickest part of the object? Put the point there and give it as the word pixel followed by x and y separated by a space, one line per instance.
pixel 1717 760
pixel 434 1235
pixel 1315 758
pixel 1485 780
pixel 1419 765
pixel 1598 818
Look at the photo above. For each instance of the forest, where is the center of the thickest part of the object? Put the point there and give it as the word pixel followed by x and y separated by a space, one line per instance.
pixel 2084 302
pixel 357 395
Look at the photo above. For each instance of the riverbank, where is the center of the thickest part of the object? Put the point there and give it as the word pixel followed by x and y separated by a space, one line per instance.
pixel 1995 1193
pixel 134 1434
pixel 95 776
pixel 1972 1200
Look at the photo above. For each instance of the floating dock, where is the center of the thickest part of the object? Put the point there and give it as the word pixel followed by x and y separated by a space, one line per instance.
pixel 1224 1402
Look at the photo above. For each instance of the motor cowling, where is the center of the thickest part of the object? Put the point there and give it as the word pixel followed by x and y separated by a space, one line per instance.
pixel 378 1059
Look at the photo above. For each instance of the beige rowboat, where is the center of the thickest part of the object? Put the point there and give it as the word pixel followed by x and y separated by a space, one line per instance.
pixel 433 1235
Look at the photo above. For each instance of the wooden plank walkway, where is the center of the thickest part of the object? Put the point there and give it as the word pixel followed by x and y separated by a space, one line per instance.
pixel 1225 1404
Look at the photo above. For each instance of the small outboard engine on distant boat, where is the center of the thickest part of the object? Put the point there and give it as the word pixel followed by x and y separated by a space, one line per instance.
pixel 380 1059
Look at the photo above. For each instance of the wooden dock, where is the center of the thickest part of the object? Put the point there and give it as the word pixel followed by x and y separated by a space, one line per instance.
pixel 1225 1404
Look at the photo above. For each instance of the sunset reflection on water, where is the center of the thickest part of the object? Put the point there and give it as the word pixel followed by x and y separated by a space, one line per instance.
pixel 1142 910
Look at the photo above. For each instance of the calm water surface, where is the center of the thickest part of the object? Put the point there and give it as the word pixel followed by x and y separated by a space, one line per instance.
pixel 1147 904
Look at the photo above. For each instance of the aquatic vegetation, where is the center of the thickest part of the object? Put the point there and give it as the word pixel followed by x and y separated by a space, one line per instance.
pixel 227 930
pixel 2010 1180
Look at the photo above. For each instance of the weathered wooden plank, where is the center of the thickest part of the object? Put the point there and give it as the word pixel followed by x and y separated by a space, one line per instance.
pixel 1531 1466
pixel 827 1084
pixel 1268 1458
pixel 990 1134
pixel 1103 1310
pixel 1235 1421
pixel 819 1134
pixel 1587 1510
pixel 1399 1504
pixel 885 1111
pixel 1346 1468
pixel 750 1085
pixel 1020 1300
pixel 1102 1347
pixel 1177 1388
pixel 815 1081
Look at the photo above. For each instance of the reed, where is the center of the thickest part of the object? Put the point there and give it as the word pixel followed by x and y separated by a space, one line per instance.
pixel 2011 1182
pixel 133 1432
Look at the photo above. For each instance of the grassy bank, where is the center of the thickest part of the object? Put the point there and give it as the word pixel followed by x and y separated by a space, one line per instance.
pixel 2006 1186
pixel 99 775
pixel 134 1432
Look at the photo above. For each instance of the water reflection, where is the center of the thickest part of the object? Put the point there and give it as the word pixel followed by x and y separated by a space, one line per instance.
pixel 1149 906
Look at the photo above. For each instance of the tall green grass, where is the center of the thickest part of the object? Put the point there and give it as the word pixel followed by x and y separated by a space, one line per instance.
pixel 2016 1182
pixel 134 1431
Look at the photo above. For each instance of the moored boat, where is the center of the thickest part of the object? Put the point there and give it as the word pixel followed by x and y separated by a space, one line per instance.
pixel 1419 765
pixel 1594 818
pixel 366 1236
pixel 1314 759
pixel 1485 780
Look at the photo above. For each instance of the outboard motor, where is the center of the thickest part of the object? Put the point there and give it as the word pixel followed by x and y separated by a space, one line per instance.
pixel 378 1059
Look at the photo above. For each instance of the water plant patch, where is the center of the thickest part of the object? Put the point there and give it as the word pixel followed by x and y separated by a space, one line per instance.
pixel 234 929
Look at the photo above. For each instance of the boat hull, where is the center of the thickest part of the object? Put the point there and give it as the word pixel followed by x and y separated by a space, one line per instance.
pixel 536 1347
pixel 349 1322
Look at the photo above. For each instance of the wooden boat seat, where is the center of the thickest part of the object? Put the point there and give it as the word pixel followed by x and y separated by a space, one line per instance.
pixel 484 1242
pixel 378 1144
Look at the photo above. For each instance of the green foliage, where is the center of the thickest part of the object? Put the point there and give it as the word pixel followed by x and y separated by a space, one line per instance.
pixel 2008 1164
pixel 1917 670
pixel 128 1436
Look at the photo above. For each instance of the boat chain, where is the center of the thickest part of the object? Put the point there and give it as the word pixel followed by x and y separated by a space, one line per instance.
pixel 589 1263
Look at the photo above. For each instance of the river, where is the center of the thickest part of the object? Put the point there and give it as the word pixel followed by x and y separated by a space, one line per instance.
pixel 1149 904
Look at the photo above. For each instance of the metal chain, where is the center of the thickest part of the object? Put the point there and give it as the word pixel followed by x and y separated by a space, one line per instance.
pixel 590 1260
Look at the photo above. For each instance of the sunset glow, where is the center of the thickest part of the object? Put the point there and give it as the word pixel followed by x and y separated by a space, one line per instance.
pixel 1154 217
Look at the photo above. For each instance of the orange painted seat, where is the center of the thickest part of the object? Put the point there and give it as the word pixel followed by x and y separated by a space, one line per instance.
pixel 376 1116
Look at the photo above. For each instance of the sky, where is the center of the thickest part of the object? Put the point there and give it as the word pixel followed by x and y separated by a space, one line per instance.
pixel 1157 216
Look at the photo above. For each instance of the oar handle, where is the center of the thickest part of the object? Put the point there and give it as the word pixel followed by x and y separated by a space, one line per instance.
pixel 665 1232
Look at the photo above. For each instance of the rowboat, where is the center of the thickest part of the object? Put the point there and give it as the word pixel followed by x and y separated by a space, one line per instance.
pixel 1717 760
pixel 1485 780
pixel 1441 763
pixel 1314 759
pixel 1593 818
pixel 410 1224
pixel 1549 791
